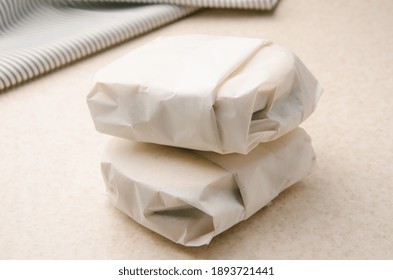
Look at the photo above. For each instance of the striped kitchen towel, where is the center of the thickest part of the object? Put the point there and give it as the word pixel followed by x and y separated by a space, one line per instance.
pixel 37 36
pixel 236 4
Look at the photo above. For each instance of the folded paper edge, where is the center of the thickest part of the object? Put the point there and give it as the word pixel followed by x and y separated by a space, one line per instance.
pixel 147 214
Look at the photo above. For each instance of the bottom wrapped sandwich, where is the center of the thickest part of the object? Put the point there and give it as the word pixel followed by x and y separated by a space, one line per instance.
pixel 191 196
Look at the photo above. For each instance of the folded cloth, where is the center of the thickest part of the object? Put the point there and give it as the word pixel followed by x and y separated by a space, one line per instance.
pixel 237 4
pixel 210 93
pixel 41 35
pixel 191 196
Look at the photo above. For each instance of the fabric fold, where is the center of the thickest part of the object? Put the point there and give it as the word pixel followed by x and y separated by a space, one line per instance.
pixel 233 4
pixel 39 36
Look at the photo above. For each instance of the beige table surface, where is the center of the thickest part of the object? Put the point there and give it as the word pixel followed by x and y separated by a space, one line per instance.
pixel 52 201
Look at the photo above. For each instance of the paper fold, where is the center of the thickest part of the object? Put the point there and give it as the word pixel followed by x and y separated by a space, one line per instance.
pixel 191 196
pixel 209 93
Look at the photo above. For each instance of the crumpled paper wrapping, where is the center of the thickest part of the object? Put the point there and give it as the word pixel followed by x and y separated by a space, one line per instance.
pixel 209 93
pixel 191 196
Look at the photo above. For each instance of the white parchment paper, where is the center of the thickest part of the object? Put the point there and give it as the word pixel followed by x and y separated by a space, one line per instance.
pixel 191 196
pixel 209 93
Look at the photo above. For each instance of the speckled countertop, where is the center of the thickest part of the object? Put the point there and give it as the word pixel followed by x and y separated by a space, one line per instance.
pixel 52 200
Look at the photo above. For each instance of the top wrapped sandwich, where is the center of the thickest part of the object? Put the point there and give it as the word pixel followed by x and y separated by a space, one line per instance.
pixel 209 93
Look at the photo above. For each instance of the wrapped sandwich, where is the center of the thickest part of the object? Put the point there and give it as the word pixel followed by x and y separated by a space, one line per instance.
pixel 191 196
pixel 208 93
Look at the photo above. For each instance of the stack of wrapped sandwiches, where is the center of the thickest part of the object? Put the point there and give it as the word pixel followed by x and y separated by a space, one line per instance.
pixel 205 131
